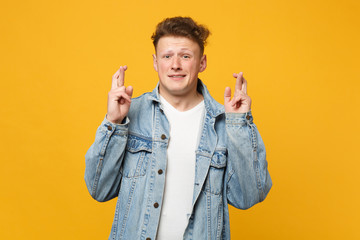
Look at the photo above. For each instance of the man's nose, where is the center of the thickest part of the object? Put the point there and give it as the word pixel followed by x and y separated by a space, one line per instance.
pixel 176 64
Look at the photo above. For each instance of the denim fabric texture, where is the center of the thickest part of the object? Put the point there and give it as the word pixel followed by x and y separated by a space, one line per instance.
pixel 128 161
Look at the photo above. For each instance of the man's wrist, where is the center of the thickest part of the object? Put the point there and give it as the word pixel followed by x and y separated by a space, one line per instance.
pixel 113 121
pixel 118 122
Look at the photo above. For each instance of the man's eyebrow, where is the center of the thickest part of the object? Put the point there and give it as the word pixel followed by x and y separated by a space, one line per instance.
pixel 166 52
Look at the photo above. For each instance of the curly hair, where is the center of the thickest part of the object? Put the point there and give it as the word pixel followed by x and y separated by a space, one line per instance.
pixel 182 27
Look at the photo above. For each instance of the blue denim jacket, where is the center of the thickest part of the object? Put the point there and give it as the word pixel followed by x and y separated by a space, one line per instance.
pixel 128 161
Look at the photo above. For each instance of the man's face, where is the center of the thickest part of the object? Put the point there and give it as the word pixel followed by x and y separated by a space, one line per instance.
pixel 178 63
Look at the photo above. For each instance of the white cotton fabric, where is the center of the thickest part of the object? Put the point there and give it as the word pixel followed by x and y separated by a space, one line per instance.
pixel 180 171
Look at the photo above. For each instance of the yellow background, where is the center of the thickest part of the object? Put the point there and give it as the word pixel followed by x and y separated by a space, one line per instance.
pixel 301 60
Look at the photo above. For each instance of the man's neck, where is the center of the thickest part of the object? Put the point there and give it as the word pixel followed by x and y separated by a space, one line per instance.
pixel 184 103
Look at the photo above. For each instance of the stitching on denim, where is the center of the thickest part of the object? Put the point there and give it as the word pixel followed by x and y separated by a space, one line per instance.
pixel 253 136
pixel 126 215
pixel 208 187
pixel 208 198
pixel 138 168
pixel 104 146
pixel 116 219
pixel 97 176
pixel 204 133
pixel 149 201
pixel 256 162
pixel 140 136
pixel 136 144
pixel 99 167
pixel 219 217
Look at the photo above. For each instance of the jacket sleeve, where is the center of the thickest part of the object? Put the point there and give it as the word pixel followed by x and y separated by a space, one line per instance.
pixel 247 180
pixel 103 160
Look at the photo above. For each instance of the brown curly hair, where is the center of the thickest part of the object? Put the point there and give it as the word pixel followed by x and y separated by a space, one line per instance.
pixel 183 27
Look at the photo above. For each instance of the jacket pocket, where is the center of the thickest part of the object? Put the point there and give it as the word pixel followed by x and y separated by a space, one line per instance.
pixel 215 179
pixel 137 155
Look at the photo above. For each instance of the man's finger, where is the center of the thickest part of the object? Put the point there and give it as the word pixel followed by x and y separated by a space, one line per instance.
pixel 238 97
pixel 235 100
pixel 227 94
pixel 239 81
pixel 122 97
pixel 121 78
pixel 114 79
pixel 244 86
pixel 129 91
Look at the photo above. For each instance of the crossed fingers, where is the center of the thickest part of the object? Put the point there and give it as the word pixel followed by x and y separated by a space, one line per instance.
pixel 240 89
pixel 117 86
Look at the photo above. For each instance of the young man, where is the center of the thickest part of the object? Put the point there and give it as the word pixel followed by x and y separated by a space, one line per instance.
pixel 176 158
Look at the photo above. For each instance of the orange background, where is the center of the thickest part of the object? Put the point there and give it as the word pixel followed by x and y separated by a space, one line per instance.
pixel 301 60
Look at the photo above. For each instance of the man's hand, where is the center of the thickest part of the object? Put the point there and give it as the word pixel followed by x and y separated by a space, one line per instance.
pixel 241 102
pixel 119 97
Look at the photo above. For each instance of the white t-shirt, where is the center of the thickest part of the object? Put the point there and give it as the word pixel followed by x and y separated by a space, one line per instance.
pixel 180 170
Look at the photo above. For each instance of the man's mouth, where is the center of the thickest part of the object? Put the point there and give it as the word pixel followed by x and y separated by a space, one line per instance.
pixel 177 76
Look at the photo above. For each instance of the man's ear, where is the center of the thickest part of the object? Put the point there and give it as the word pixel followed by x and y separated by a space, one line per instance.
pixel 155 62
pixel 203 63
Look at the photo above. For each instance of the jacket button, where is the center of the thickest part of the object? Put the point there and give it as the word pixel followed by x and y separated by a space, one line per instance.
pixel 163 136
pixel 160 171
pixel 148 238
pixel 109 128
pixel 156 205
pixel 248 117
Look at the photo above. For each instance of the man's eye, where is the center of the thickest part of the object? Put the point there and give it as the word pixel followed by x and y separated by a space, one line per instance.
pixel 186 56
pixel 166 56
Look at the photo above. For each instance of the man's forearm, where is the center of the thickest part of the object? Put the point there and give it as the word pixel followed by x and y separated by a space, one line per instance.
pixel 248 179
pixel 103 160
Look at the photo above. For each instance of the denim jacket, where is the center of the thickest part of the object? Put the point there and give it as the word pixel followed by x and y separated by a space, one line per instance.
pixel 128 161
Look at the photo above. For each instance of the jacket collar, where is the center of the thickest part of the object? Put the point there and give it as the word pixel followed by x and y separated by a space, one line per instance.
pixel 211 105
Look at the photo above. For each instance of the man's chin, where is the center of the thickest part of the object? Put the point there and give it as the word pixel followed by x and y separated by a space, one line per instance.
pixel 174 91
